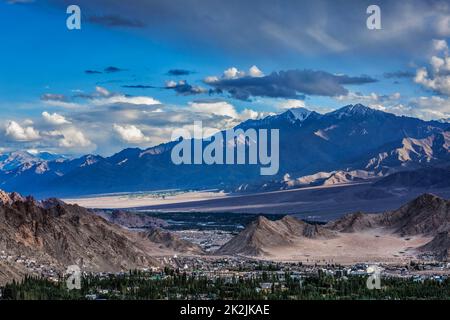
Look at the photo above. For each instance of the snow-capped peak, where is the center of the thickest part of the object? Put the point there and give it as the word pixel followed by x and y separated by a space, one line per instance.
pixel 353 109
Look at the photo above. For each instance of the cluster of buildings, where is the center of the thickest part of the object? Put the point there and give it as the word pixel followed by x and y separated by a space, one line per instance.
pixel 31 266
pixel 209 240
pixel 245 268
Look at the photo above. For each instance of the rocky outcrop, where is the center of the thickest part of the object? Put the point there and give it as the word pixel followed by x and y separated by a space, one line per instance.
pixel 353 222
pixel 264 233
pixel 439 247
pixel 54 233
pixel 427 215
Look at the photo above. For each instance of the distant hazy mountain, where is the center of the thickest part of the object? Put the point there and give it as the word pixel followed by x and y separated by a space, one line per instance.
pixel 344 143
pixel 13 160
pixel 421 178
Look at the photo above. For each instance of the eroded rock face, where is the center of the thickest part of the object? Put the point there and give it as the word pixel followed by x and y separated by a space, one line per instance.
pixel 56 234
pixel 4 197
pixel 439 246
pixel 264 233
pixel 10 198
pixel 427 215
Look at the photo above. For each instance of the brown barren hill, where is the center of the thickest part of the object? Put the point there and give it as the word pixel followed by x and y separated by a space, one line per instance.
pixel 427 214
pixel 439 247
pixel 53 233
pixel 354 222
pixel 264 233
pixel 382 237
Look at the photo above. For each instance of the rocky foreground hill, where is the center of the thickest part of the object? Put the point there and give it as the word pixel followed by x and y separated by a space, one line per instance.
pixel 53 234
pixel 421 227
pixel 426 215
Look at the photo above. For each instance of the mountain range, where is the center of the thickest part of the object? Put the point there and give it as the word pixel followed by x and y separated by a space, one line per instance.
pixel 349 144
pixel 13 160
pixel 38 236
pixel 54 235
pixel 420 227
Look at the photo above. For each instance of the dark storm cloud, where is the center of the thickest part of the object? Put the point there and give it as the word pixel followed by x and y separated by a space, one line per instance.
pixel 399 74
pixel 19 1
pixel 282 27
pixel 185 89
pixel 289 84
pixel 138 86
pixel 112 69
pixel 115 20
pixel 92 72
pixel 53 97
pixel 179 72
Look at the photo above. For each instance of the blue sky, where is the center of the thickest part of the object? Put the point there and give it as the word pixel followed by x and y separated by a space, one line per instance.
pixel 110 85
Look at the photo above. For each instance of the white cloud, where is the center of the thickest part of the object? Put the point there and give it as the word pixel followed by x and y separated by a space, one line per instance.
pixel 372 100
pixel 130 133
pixel 426 108
pixel 233 73
pixel 33 151
pixel 63 104
pixel 125 99
pixel 290 103
pixel 436 77
pixel 220 108
pixel 255 72
pixel 102 91
pixel 433 107
pixel 100 128
pixel 211 79
pixel 443 25
pixel 54 118
pixel 250 114
pixel 225 109
pixel 16 132
pixel 440 45
pixel 72 138
pixel 171 84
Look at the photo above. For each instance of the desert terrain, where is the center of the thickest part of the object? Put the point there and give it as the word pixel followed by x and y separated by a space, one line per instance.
pixel 371 246
pixel 322 203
